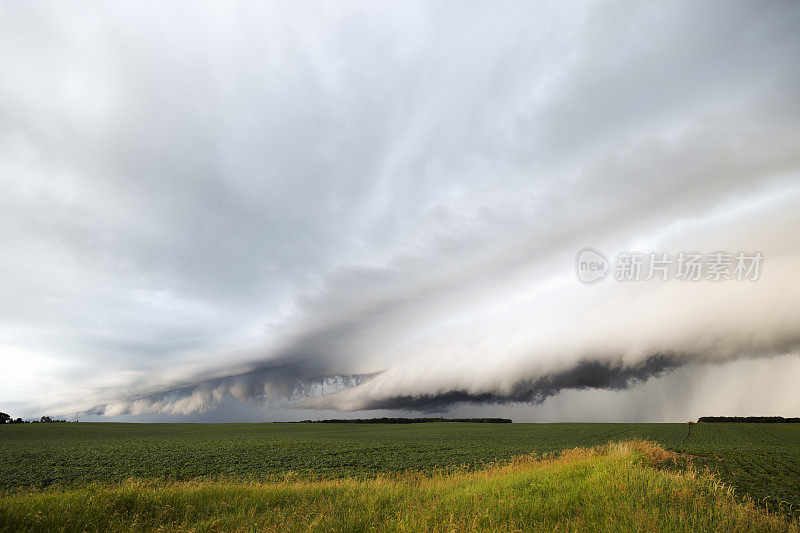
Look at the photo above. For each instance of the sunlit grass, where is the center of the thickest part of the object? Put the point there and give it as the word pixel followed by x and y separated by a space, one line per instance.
pixel 610 488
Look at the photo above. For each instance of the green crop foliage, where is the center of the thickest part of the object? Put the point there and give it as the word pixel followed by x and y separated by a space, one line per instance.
pixel 761 461
pixel 609 488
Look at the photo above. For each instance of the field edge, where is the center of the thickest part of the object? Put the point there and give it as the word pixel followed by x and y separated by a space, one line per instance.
pixel 624 484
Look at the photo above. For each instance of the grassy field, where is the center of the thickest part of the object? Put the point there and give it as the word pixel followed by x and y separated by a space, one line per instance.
pixel 759 460
pixel 611 488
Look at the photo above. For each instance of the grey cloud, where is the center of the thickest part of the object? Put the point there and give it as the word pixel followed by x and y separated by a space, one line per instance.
pixel 586 374
pixel 218 198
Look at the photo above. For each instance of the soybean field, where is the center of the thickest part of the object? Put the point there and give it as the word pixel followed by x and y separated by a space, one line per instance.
pixel 759 460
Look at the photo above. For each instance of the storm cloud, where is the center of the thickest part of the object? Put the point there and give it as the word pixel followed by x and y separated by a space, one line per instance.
pixel 378 205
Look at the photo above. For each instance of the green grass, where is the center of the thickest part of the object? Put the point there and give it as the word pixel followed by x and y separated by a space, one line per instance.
pixel 613 488
pixel 760 460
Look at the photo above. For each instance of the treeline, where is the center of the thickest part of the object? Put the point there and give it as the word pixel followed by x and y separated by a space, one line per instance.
pixel 750 419
pixel 6 418
pixel 386 420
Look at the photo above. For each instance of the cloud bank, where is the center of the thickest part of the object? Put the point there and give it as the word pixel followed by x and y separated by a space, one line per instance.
pixel 378 206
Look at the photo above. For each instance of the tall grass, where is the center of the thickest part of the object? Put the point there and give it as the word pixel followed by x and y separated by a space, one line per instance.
pixel 610 488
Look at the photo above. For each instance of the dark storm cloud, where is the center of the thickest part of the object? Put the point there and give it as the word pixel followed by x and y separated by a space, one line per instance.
pixel 584 375
pixel 379 205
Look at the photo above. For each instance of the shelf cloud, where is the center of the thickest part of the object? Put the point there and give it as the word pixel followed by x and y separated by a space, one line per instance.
pixel 379 206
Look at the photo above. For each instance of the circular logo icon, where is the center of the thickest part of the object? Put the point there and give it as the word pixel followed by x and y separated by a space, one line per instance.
pixel 591 266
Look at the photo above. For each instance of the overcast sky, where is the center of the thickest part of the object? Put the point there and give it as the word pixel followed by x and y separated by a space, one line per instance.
pixel 216 211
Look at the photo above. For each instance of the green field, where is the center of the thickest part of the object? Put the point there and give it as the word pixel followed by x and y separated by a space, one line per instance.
pixel 616 487
pixel 760 460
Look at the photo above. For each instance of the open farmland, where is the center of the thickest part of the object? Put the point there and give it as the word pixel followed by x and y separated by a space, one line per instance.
pixel 616 487
pixel 761 460
pixel 44 454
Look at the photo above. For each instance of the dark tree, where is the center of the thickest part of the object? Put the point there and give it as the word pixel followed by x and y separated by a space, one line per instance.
pixel 749 419
pixel 5 418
